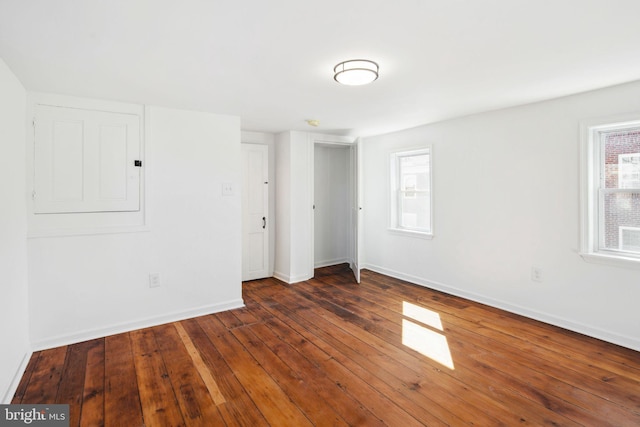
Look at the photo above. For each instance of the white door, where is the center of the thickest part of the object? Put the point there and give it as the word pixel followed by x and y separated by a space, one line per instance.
pixel 255 207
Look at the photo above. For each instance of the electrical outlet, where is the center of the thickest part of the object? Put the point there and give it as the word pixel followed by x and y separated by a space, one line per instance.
pixel 536 274
pixel 154 280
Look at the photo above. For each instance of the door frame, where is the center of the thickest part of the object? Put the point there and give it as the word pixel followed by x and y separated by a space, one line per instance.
pixel 348 143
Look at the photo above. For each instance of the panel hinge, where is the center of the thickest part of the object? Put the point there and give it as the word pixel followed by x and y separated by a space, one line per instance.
pixel 137 163
pixel 33 122
pixel 33 195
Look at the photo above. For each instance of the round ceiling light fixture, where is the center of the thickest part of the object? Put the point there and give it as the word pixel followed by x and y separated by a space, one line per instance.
pixel 356 72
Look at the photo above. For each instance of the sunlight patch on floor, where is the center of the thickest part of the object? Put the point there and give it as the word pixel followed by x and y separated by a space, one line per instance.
pixel 422 339
pixel 421 314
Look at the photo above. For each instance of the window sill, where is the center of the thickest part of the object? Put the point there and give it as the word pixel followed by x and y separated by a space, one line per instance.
pixel 410 233
pixel 607 259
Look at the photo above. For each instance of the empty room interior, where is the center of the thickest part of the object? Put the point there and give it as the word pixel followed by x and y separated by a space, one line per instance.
pixel 355 212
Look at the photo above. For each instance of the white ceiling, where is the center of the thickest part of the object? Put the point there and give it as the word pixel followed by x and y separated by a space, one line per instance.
pixel 270 62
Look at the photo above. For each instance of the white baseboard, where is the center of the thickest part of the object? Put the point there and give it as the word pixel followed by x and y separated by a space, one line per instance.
pixel 602 334
pixel 321 264
pixel 67 339
pixel 280 276
pixel 290 279
pixel 16 379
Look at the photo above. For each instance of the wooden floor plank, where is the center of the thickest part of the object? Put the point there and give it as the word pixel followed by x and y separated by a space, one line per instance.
pixel 245 316
pixel 590 374
pixel 239 409
pixel 325 348
pixel 92 411
pixel 570 344
pixel 377 360
pixel 201 367
pixel 549 336
pixel 329 351
pixel 298 387
pixel 274 404
pixel 71 390
pixel 26 377
pixel 121 397
pixel 481 374
pixel 45 380
pixel 157 395
pixel 555 393
pixel 196 403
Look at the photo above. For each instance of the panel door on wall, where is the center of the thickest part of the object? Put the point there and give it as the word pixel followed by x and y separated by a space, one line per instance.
pixel 255 208
pixel 85 161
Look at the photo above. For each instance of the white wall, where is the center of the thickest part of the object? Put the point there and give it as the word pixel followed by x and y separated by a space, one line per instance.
pixel 267 139
pixel 14 321
pixel 506 188
pixel 332 204
pixel 282 262
pixel 94 285
pixel 294 175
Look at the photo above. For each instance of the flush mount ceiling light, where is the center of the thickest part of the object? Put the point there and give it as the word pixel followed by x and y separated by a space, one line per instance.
pixel 355 72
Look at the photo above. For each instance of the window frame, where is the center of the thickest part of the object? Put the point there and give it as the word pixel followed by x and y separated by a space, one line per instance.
pixel 395 201
pixel 621 231
pixel 592 191
pixel 631 156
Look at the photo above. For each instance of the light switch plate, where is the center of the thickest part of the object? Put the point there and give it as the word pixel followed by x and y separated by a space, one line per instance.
pixel 228 189
pixel 154 280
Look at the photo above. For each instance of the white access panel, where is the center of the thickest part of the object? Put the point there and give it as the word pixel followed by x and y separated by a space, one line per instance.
pixel 84 161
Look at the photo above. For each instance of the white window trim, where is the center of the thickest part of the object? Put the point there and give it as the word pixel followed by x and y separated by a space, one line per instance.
pixel 393 201
pixel 590 153
pixel 621 231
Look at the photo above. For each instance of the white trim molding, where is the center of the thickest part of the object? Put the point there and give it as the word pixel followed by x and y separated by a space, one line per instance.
pixel 291 279
pixel 119 328
pixel 16 378
pixel 410 233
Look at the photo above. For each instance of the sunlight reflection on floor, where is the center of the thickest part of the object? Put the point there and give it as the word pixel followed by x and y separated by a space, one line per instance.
pixel 422 339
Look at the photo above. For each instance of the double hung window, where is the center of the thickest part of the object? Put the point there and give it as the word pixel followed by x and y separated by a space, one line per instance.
pixel 411 192
pixel 611 192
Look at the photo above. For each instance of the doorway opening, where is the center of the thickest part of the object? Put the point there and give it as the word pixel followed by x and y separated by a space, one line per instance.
pixel 332 205
pixel 335 211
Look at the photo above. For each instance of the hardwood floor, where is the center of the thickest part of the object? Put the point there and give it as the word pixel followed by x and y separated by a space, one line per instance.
pixel 330 352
